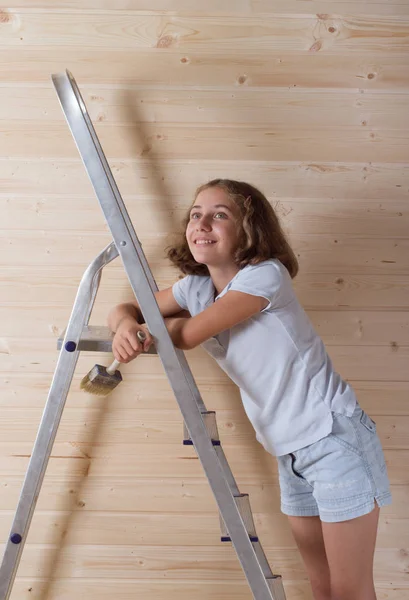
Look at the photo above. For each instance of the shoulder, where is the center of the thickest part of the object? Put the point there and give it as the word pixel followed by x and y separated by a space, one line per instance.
pixel 271 270
pixel 193 292
pixel 268 278
pixel 193 282
pixel 272 265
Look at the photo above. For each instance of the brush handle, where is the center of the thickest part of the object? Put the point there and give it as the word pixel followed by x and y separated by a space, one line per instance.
pixel 113 367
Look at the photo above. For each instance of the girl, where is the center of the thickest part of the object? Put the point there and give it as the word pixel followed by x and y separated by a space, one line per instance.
pixel 237 301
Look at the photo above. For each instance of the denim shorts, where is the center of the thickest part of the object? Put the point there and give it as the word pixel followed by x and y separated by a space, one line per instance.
pixel 339 477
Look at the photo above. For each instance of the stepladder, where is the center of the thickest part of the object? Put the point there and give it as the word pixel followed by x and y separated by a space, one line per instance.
pixel 200 425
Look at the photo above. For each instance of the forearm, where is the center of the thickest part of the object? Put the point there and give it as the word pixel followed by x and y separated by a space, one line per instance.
pixel 175 327
pixel 123 311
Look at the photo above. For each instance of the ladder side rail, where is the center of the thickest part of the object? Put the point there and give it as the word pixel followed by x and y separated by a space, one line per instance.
pixel 50 420
pixel 183 385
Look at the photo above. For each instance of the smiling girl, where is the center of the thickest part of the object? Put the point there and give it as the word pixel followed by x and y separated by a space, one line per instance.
pixel 237 301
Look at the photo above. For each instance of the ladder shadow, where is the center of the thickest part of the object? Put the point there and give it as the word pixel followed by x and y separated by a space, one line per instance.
pixel 75 505
pixel 142 145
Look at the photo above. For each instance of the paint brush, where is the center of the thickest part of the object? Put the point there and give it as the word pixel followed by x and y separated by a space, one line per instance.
pixel 100 381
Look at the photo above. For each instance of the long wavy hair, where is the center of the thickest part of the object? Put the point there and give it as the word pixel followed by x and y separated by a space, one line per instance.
pixel 260 238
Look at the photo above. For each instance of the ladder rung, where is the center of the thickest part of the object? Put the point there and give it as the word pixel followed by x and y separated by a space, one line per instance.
pixel 227 539
pixel 96 339
pixel 276 586
pixel 190 443
pixel 243 504
pixel 210 422
pixel 242 500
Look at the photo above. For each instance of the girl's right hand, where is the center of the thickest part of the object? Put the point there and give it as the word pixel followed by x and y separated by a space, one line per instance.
pixel 126 345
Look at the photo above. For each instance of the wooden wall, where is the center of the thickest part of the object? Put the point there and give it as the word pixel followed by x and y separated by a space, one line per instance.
pixel 309 101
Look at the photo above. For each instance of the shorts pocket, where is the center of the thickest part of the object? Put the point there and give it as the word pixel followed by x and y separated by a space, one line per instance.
pixel 344 433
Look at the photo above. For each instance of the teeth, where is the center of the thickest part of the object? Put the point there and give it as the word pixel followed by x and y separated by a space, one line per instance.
pixel 201 242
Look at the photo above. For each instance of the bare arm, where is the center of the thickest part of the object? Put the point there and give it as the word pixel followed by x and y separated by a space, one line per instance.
pixel 126 319
pixel 128 310
pixel 131 310
pixel 233 308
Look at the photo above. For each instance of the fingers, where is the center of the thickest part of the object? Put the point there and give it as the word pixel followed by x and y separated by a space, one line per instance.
pixel 121 351
pixel 129 346
pixel 146 343
pixel 126 345
pixel 124 351
pixel 148 340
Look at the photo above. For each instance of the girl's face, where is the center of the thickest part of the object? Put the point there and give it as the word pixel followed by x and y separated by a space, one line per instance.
pixel 213 230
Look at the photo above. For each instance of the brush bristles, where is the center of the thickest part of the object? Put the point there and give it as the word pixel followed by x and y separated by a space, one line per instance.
pixel 99 383
pixel 96 389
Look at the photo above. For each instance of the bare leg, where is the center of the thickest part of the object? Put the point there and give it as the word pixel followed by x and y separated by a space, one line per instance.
pixel 308 535
pixel 350 547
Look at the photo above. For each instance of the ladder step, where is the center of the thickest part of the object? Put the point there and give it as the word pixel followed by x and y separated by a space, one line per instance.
pixel 228 539
pixel 242 500
pixel 275 584
pixel 243 504
pixel 96 338
pixel 209 418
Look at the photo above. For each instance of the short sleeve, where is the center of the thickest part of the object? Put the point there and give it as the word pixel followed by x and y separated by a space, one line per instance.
pixel 264 279
pixel 180 291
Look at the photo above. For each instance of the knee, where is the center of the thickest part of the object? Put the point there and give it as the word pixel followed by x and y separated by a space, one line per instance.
pixel 346 591
pixel 321 589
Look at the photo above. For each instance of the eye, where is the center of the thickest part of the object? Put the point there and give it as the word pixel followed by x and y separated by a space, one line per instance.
pixel 195 215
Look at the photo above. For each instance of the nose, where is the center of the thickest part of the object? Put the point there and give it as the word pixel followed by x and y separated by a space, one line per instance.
pixel 203 224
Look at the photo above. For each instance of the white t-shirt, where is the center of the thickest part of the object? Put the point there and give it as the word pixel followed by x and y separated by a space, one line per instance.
pixel 287 382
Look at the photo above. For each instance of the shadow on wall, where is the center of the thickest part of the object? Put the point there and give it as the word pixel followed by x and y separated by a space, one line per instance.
pixel 162 208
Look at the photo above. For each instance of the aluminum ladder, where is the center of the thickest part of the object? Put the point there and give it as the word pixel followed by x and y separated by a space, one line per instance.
pixel 199 424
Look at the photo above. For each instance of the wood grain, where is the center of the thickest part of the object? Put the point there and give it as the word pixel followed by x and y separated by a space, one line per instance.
pixel 306 100
pixel 213 34
pixel 233 70
pixel 33 140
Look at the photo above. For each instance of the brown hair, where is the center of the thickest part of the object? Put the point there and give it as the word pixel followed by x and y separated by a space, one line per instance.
pixel 261 236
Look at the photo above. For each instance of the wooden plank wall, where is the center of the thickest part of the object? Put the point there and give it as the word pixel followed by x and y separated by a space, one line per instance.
pixel 307 100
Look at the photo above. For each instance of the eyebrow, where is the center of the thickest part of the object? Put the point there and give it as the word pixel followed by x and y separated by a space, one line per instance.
pixel 215 206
